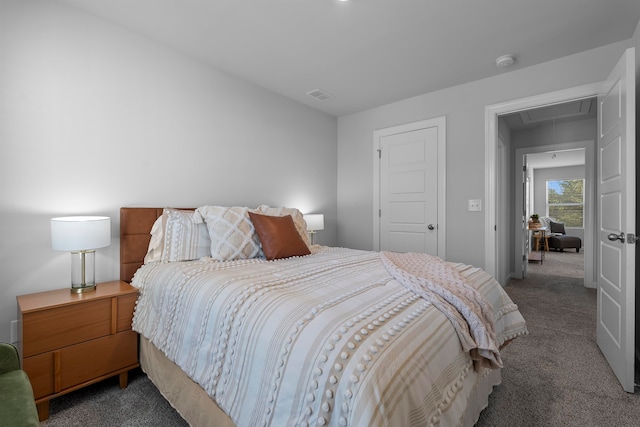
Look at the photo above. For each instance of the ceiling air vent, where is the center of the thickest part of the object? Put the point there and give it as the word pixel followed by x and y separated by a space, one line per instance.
pixel 320 94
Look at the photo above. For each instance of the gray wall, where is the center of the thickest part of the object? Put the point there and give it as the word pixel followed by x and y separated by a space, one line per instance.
pixel 94 117
pixel 464 108
pixel 506 208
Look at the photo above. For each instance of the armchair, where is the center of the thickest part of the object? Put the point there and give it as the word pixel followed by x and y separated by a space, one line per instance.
pixel 17 404
pixel 559 240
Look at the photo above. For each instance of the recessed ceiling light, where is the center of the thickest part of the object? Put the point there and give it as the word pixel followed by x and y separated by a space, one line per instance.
pixel 505 61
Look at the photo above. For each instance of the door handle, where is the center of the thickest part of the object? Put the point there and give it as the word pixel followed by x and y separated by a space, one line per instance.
pixel 431 227
pixel 613 237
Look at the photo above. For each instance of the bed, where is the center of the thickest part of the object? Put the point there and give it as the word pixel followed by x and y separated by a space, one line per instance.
pixel 327 338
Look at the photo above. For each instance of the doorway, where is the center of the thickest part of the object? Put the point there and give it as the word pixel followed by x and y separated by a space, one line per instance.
pixel 560 190
pixel 555 142
pixel 493 227
pixel 554 165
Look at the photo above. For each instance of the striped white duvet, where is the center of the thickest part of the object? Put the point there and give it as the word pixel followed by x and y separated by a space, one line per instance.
pixel 327 339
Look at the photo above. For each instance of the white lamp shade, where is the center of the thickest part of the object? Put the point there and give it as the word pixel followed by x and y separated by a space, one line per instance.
pixel 314 222
pixel 77 233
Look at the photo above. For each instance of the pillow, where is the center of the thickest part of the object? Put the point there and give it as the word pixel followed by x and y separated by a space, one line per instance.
pixel 557 227
pixel 178 236
pixel 185 236
pixel 154 252
pixel 296 215
pixel 278 236
pixel 231 231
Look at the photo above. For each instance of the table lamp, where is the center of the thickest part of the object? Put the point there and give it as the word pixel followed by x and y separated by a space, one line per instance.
pixel 81 235
pixel 315 222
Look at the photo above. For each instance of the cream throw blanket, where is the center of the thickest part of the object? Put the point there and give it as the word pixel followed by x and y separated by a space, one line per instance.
pixel 442 285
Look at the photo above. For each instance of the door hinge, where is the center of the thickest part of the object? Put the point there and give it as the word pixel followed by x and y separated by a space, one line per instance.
pixel 379 213
pixel 379 153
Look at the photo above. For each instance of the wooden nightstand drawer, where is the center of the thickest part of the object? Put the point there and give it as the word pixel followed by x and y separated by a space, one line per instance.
pixel 93 359
pixel 63 326
pixel 40 371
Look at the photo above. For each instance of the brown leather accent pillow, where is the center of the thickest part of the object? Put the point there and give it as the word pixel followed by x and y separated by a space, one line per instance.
pixel 278 236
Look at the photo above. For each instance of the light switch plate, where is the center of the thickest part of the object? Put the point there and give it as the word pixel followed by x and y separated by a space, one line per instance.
pixel 475 205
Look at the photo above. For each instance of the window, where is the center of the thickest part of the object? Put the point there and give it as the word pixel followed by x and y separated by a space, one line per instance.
pixel 565 201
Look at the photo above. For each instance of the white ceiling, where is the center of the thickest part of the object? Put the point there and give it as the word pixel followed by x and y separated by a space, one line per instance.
pixel 368 53
pixel 556 159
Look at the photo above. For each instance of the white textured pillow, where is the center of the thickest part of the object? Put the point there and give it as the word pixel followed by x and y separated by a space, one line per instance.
pixel 232 233
pixel 178 236
pixel 296 215
pixel 185 236
pixel 154 252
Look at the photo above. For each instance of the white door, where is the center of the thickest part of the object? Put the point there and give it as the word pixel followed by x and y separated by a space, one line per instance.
pixel 409 210
pixel 616 223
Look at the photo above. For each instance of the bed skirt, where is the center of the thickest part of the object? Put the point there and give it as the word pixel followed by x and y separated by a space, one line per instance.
pixel 187 397
pixel 199 410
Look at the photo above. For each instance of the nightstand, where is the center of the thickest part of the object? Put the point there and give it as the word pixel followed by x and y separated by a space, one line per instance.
pixel 69 341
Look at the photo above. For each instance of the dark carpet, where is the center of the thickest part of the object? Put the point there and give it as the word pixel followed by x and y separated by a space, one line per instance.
pixel 105 405
pixel 555 376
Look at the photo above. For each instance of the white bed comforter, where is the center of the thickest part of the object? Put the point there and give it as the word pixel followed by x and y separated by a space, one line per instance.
pixel 326 339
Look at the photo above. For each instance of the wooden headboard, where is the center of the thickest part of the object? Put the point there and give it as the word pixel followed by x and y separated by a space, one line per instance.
pixel 135 228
